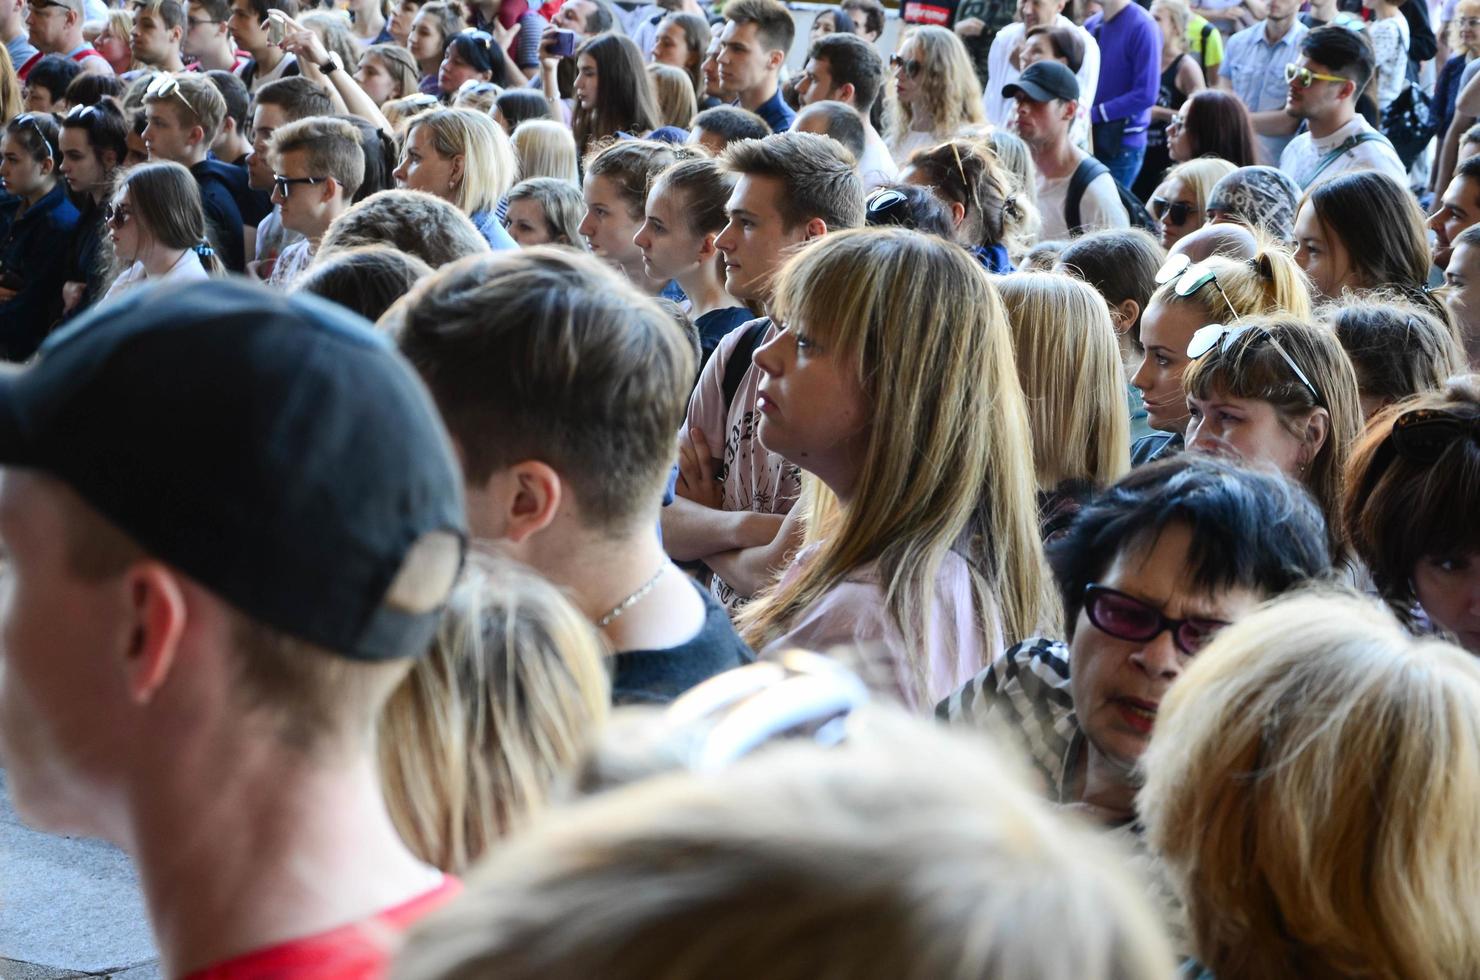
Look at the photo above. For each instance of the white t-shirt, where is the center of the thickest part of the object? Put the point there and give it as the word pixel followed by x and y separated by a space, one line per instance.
pixel 1390 44
pixel 1100 206
pixel 1302 158
pixel 263 77
pixel 187 268
pixel 291 262
pixel 876 166
pixel 1000 71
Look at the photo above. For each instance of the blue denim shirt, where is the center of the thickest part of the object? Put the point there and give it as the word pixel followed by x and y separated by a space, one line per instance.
pixel 1256 70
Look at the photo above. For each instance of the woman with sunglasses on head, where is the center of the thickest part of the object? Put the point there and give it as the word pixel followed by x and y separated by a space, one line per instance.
pixel 1213 123
pixel 462 157
pixel 94 145
pixel 1178 205
pixel 158 229
pixel 893 373
pixel 39 223
pixel 470 56
pixel 937 90
pixel 1412 490
pixel 985 211
pixel 1360 231
pixel 1189 296
pixel 1149 571
pixel 1278 392
pixel 435 24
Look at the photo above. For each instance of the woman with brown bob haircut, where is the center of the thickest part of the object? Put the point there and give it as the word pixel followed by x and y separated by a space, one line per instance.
pixel 1413 490
pixel 1313 782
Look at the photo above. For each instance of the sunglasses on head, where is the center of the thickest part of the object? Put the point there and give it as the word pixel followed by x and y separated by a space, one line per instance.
pixel 887 207
pixel 1185 277
pixel 29 119
pixel 1127 618
pixel 1307 77
pixel 1423 434
pixel 911 67
pixel 165 86
pixel 1174 213
pixel 1222 336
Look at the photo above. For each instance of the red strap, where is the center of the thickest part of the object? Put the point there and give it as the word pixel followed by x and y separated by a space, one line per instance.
pixel 25 69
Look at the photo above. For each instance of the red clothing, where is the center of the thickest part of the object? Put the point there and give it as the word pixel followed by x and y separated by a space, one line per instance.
pixel 78 56
pixel 360 951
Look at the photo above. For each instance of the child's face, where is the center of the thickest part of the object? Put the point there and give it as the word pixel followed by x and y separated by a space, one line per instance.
pixel 38 98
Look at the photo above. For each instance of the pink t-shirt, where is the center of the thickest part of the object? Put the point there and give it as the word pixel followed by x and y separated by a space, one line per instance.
pixel 853 614
pixel 752 478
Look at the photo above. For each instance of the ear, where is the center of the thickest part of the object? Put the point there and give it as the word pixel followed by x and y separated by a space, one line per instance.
pixel 1125 314
pixel 1317 430
pixel 1071 107
pixel 815 228
pixel 958 214
pixel 534 495
pixel 109 160
pixel 197 135
pixel 158 607
pixel 845 93
pixel 707 250
pixel 775 59
pixel 455 175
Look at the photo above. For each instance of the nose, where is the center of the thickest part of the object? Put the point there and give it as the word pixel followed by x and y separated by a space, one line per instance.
pixel 1159 658
pixel 767 356
pixel 399 174
pixel 1142 378
pixel 1200 438
pixel 587 226
pixel 642 240
pixel 725 241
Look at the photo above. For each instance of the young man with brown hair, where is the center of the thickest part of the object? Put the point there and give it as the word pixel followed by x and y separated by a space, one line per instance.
pixel 320 165
pixel 159 29
pixel 562 385
pixel 208 39
pixel 221 558
pixel 277 103
pixel 755 42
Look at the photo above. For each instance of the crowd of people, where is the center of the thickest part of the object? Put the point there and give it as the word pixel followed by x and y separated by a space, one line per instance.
pixel 626 491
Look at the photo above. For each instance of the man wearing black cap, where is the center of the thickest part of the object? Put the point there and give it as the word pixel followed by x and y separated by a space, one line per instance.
pixel 220 558
pixel 1075 192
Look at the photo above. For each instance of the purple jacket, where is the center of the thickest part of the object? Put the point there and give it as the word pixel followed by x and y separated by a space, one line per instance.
pixel 1130 70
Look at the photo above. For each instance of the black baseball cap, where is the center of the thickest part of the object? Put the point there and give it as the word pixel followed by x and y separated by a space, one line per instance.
pixel 274 448
pixel 1044 81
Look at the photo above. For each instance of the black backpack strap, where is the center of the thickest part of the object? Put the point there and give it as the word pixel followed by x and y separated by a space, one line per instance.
pixel 741 357
pixel 1088 171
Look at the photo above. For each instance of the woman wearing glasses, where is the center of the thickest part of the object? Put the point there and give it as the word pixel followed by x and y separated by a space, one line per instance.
pixel 1180 202
pixel 1410 502
pixel 1277 392
pixel 1149 571
pixel 1190 296
pixel 937 90
pixel 1213 123
pixel 158 229
pixel 38 226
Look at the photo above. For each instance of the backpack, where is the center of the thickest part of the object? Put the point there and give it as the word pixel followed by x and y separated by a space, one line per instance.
pixel 741 358
pixel 1088 171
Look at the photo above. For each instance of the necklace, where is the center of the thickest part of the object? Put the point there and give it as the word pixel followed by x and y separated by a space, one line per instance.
pixel 632 599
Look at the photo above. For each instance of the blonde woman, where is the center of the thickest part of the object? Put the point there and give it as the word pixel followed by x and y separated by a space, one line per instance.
pixel 546 148
pixel 936 89
pixel 674 89
pixel 1068 360
pixel 1338 842
pixel 1179 204
pixel 1190 296
pixel 463 157
pixel 509 698
pixel 802 862
pixel 894 372
pixel 113 42
pixel 11 103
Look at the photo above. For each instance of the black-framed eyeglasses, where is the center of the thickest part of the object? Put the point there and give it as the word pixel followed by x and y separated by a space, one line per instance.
pixel 1174 213
pixel 1423 434
pixel 1222 336
pixel 886 206
pixel 911 67
pixel 115 215
pixel 1185 277
pixel 164 86
pixel 281 185
pixel 29 119
pixel 1127 618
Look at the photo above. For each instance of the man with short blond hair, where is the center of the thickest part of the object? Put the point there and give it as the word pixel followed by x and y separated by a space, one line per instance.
pixel 320 165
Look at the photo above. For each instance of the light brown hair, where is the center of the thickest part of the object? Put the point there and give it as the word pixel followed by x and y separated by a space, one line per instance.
pixel 331 148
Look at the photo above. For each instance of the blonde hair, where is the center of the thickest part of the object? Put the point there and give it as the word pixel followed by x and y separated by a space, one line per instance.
pixel 1268 283
pixel 546 148
pixel 1251 367
pixel 1314 783
pixel 507 700
pixel 802 862
pixel 677 104
pixel 1199 175
pixel 1068 360
pixel 1180 13
pixel 11 102
pixel 333 30
pixel 952 92
pixel 918 321
pixel 121 25
pixel 489 165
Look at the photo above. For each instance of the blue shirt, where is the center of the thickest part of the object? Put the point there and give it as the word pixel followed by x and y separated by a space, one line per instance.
pixel 1130 71
pixel 35 249
pixel 1256 70
pixel 218 183
pixel 777 114
pixel 493 231
pixel 21 50
pixel 715 324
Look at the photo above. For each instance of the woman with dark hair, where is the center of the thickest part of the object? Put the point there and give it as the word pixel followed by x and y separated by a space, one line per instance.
pixel 1181 75
pixel 470 56
pixel 984 209
pixel 517 105
pixel 1360 231
pixel 381 157
pixel 39 223
pixel 94 145
pixel 1397 349
pixel 681 42
pixel 613 93
pixel 436 23
pixel 1213 123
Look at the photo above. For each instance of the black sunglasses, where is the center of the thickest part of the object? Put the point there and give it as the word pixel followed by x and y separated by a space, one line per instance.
pixel 887 207
pixel 911 67
pixel 1221 336
pixel 1127 618
pixel 116 214
pixel 1424 434
pixel 1172 212
pixel 282 185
